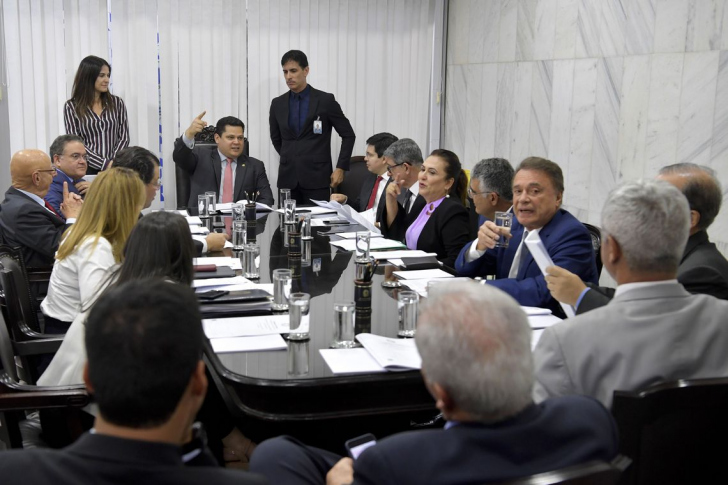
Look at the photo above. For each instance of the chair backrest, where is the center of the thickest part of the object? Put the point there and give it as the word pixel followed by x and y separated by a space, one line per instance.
pixel 590 473
pixel 596 237
pixel 354 178
pixel 674 432
pixel 7 356
pixel 182 177
pixel 20 306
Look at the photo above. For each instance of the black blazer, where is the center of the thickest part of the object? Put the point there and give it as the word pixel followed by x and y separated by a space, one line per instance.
pixel 703 269
pixel 203 165
pixel 306 158
pixel 445 233
pixel 26 224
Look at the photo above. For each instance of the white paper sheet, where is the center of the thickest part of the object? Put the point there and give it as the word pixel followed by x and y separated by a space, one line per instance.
pixel 350 214
pixel 233 263
pixel 199 230
pixel 422 274
pixel 374 244
pixel 391 353
pixel 248 344
pixel 534 310
pixel 181 212
pixel 194 221
pixel 314 211
pixel 543 321
pixel 235 280
pixel 250 326
pixel 228 206
pixel 420 286
pixel 401 253
pixel 543 260
pixel 352 235
pixel 350 361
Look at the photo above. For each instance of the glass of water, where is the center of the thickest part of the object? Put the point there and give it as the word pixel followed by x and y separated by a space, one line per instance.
pixel 298 305
pixel 211 200
pixel 407 302
pixel 289 211
pixel 283 195
pixel 344 325
pixel 362 246
pixel 504 220
pixel 203 206
pixel 238 212
pixel 239 230
pixel 282 279
pixel 251 256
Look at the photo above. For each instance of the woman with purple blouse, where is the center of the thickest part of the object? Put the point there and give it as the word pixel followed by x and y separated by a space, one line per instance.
pixel 441 227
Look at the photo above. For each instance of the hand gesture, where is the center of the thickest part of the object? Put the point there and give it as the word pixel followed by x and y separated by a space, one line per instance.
pixel 71 205
pixel 337 177
pixel 394 188
pixel 342 473
pixel 564 285
pixel 340 198
pixel 82 187
pixel 197 125
pixel 216 241
pixel 488 235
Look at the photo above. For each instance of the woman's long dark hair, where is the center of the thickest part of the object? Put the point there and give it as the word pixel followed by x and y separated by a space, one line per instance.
pixel 453 170
pixel 159 246
pixel 84 90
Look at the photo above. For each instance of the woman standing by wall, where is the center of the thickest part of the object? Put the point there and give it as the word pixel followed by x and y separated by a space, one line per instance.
pixel 96 115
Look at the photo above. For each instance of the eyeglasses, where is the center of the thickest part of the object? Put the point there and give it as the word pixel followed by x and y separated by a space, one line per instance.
pixel 471 192
pixel 392 167
pixel 50 170
pixel 76 156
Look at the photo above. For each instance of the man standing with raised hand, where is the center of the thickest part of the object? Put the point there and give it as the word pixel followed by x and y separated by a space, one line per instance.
pixel 300 130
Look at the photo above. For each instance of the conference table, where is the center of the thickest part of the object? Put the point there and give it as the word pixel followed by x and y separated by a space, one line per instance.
pixel 293 391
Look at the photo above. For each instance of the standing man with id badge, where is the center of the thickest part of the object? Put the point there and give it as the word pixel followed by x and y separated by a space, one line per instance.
pixel 300 129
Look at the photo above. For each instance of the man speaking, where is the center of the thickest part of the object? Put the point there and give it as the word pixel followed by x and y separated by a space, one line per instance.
pixel 300 129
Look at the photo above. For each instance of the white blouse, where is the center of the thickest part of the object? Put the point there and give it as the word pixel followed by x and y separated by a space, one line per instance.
pixel 76 280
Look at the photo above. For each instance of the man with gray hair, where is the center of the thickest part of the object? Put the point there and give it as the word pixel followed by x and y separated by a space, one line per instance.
pixel 653 330
pixel 491 187
pixel 404 160
pixel 475 344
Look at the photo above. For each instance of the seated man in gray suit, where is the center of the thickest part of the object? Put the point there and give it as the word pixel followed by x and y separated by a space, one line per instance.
pixel 475 344
pixel 703 269
pixel 223 169
pixel 145 370
pixel 653 330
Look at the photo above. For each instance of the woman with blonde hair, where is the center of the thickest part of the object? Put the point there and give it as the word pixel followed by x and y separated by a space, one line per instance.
pixel 93 246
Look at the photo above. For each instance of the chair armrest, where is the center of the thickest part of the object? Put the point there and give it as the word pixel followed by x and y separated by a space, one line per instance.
pixel 39 346
pixel 39 275
pixel 18 397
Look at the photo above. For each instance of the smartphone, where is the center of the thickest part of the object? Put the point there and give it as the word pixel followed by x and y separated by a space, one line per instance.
pixel 212 294
pixel 355 446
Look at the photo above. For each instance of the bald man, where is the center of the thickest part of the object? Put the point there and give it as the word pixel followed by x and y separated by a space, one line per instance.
pixel 26 221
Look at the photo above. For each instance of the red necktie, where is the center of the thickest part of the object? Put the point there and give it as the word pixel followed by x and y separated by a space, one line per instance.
pixel 373 197
pixel 227 185
pixel 50 208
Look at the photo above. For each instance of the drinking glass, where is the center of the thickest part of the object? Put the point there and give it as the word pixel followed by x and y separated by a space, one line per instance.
pixel 211 200
pixel 344 325
pixel 282 279
pixel 239 230
pixel 362 246
pixel 504 220
pixel 407 302
pixel 203 206
pixel 251 256
pixel 298 305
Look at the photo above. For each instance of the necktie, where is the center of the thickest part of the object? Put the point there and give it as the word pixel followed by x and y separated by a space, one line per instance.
pixel 227 184
pixel 373 197
pixel 50 208
pixel 407 201
pixel 520 254
pixel 296 114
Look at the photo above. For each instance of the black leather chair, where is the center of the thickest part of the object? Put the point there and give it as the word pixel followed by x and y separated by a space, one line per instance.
pixel 354 178
pixel 674 432
pixel 182 178
pixel 589 473
pixel 596 236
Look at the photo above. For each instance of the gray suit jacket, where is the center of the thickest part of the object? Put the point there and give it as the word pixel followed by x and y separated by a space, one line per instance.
pixel 642 337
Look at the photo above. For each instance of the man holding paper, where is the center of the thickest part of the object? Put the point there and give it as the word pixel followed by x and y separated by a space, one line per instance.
pixel 538 188
pixel 475 345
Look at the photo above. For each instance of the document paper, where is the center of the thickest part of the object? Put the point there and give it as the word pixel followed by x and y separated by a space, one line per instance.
pixel 543 260
pixel 391 353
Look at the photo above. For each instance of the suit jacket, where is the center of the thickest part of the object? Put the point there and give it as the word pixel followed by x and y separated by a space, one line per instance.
pixel 100 459
pixel 642 337
pixel 55 193
pixel 26 224
pixel 205 169
pixel 444 233
pixel 703 269
pixel 306 158
pixel 568 243
pixel 361 202
pixel 554 434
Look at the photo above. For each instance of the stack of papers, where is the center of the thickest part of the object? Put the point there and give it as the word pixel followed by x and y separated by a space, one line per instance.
pixel 365 219
pixel 233 263
pixel 374 244
pixel 379 354
pixel 249 334
pixel 235 283
pixel 193 220
pixel 420 286
pixel 423 274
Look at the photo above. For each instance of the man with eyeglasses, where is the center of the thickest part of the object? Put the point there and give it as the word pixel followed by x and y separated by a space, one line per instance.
pixel 69 158
pixel 404 160
pixel 26 220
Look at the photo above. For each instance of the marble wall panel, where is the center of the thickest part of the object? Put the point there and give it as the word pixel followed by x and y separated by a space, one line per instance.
pixel 567 13
pixel 455 110
pixel 671 24
pixel 561 95
pixel 488 112
pixel 484 25
pixel 640 26
pixel 704 25
pixel 521 121
pixel 473 75
pixel 663 116
pixel 541 91
pixel 544 30
pixel 526 25
pixel 697 102
pixel 578 169
pixel 504 107
pixel 719 151
pixel 507 30
pixel 612 28
pixel 633 117
pixel 587 28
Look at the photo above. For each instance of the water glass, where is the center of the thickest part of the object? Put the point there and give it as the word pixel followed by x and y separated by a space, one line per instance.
pixel 407 302
pixel 344 325
pixel 203 206
pixel 239 230
pixel 283 195
pixel 211 200
pixel 504 220
pixel 238 212
pixel 298 358
pixel 306 227
pixel 251 256
pixel 298 305
pixel 289 211
pixel 362 246
pixel 282 279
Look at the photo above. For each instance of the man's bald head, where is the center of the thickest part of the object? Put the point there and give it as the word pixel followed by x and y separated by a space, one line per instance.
pixel 31 170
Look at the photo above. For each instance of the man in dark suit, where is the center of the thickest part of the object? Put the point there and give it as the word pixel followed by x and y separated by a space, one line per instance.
pixel 145 370
pixel 300 129
pixel 703 269
pixel 475 344
pixel 490 190
pixel 26 220
pixel 69 157
pixel 538 187
pixel 223 169
pixel 372 189
pixel 404 161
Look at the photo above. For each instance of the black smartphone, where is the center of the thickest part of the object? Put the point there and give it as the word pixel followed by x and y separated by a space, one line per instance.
pixel 355 446
pixel 212 294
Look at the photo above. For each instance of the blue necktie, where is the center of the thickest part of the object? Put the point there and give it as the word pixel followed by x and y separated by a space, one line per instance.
pixel 296 114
